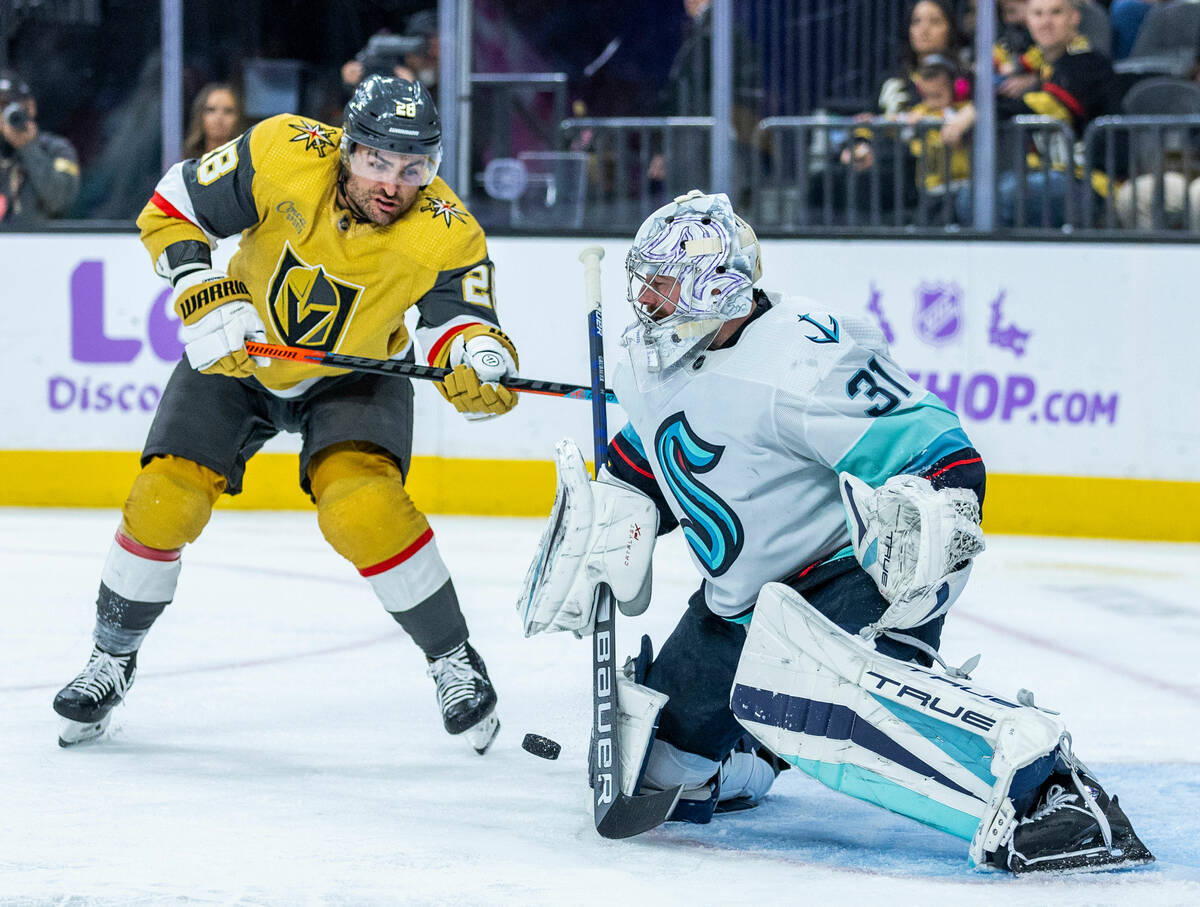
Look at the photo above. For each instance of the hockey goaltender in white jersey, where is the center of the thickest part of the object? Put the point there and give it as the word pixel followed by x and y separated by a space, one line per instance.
pixel 832 508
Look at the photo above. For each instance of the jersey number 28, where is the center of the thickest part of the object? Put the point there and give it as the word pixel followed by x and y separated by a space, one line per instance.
pixel 217 163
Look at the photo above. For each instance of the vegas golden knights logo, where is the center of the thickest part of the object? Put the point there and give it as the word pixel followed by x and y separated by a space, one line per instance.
pixel 309 307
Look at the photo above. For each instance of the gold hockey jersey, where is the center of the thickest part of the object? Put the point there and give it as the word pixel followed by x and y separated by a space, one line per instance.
pixel 319 278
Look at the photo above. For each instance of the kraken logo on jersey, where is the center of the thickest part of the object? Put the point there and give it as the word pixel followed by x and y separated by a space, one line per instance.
pixel 711 527
pixel 309 307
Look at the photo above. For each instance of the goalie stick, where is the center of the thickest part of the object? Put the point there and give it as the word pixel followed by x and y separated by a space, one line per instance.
pixel 617 814
pixel 412 370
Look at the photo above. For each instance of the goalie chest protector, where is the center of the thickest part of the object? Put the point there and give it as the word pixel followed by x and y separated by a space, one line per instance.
pixel 747 443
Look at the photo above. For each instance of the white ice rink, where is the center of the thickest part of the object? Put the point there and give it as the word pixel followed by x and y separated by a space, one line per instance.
pixel 282 745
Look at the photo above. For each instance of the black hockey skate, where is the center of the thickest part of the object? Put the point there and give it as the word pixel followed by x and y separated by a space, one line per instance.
pixel 466 696
pixel 86 703
pixel 1073 827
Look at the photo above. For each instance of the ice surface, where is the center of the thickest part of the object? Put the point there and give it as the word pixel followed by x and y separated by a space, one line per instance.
pixel 282 744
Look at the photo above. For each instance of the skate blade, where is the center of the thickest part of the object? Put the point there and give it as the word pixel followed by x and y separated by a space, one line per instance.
pixel 481 735
pixel 71 732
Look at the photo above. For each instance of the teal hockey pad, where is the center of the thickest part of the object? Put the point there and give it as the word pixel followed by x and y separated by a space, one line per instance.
pixel 935 748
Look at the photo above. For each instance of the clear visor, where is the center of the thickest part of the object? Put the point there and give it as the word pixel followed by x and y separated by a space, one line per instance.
pixel 392 167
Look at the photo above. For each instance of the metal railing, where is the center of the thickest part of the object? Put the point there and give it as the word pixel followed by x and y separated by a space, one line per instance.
pixel 823 171
pixel 510 101
pixel 1158 158
pixel 886 174
pixel 636 163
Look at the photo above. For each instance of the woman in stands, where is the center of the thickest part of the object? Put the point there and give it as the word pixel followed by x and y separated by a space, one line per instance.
pixel 217 117
pixel 932 29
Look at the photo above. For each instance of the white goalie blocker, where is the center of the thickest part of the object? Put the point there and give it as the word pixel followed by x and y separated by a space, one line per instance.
pixel 599 532
pixel 915 542
pixel 929 746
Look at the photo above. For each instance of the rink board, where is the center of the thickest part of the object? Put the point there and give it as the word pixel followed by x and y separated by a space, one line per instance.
pixel 1033 505
pixel 1069 365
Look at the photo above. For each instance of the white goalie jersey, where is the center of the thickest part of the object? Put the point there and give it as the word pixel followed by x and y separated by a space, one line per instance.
pixel 746 444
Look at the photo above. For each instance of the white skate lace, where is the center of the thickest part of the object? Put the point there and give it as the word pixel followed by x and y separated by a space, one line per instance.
pixel 103 674
pixel 454 676
pixel 1056 798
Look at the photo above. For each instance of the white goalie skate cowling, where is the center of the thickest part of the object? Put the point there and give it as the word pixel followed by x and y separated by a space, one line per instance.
pixel 599 532
pixel 914 541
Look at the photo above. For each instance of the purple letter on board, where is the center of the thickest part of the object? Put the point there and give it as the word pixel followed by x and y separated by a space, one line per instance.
pixel 88 343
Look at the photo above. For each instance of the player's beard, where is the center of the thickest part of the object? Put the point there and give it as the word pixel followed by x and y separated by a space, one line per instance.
pixel 368 202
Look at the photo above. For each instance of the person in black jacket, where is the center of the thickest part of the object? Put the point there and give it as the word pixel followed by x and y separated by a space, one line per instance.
pixel 39 171
pixel 1073 83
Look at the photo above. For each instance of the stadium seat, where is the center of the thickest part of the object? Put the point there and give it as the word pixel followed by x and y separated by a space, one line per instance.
pixel 1163 95
pixel 1094 25
pixel 1167 41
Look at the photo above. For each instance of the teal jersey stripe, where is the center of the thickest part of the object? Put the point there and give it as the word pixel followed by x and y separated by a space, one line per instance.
pixel 631 436
pixel 969 750
pixel 863 784
pixel 945 443
pixel 900 442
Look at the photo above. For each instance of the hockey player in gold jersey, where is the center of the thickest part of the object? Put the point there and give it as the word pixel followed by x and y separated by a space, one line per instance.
pixel 342 231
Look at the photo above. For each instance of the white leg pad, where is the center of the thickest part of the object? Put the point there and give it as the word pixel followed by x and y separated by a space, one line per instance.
pixel 937 749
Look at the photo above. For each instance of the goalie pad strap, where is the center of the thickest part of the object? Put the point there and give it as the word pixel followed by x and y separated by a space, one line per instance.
pixel 937 749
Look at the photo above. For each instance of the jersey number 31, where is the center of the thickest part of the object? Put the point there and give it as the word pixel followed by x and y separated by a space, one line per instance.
pixel 864 382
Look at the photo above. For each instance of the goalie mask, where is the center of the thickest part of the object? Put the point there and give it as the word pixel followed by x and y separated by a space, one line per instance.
pixel 692 268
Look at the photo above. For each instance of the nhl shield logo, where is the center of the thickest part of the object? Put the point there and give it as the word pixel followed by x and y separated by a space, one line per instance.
pixel 309 307
pixel 938 315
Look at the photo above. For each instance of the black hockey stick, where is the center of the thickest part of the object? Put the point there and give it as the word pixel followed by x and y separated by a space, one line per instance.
pixel 617 814
pixel 412 370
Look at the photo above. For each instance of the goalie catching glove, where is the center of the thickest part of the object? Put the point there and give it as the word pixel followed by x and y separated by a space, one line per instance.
pixel 599 532
pixel 915 542
pixel 481 356
pixel 218 318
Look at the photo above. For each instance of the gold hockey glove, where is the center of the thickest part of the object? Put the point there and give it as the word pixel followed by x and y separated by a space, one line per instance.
pixel 481 357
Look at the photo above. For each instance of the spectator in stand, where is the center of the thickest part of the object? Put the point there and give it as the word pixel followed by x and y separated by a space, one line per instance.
pixel 217 117
pixel 39 171
pixel 413 55
pixel 1075 84
pixel 1012 42
pixel 932 167
pixel 941 168
pixel 931 29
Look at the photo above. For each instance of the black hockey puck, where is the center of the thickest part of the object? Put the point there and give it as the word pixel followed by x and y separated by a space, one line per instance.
pixel 541 746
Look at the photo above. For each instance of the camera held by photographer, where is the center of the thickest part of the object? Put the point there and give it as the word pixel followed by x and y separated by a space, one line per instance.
pixel 39 171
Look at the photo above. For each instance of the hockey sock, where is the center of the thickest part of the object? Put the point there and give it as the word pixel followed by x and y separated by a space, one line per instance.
pixel 137 582
pixel 415 588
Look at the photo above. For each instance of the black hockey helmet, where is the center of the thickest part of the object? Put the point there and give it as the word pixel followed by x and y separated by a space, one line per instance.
pixel 394 115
